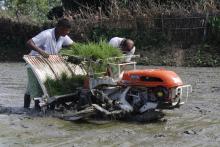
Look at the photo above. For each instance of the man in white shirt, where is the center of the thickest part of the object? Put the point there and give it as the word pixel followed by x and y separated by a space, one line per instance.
pixel 47 42
pixel 126 46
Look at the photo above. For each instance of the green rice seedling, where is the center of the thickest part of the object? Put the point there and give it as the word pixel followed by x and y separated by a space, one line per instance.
pixel 101 50
pixel 64 84
pixel 93 51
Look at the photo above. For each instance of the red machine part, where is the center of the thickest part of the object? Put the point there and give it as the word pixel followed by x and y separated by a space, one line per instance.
pixel 151 78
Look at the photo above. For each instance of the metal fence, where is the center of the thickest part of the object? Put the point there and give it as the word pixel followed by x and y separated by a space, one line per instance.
pixel 184 30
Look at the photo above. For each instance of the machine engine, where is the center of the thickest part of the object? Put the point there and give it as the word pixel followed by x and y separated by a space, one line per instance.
pixel 143 99
pixel 137 99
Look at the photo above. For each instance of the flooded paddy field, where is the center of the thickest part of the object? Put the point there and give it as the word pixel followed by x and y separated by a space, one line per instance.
pixel 196 123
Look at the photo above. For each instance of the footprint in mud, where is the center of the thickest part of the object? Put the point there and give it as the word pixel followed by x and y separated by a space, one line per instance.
pixel 215 89
pixel 23 126
pixel 190 132
pixel 202 111
pixel 159 136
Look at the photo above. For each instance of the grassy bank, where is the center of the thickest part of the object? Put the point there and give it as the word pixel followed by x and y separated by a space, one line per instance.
pixel 184 33
pixel 156 47
pixel 203 55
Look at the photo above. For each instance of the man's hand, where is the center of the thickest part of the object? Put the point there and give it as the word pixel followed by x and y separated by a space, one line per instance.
pixel 44 54
pixel 30 44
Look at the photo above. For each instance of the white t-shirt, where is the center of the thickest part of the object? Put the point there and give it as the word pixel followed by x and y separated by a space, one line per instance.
pixel 46 40
pixel 116 42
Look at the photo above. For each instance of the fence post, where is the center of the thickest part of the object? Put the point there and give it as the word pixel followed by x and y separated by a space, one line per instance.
pixel 100 14
pixel 205 26
pixel 162 23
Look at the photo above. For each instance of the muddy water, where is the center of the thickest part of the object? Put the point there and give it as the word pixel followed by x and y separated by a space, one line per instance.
pixel 195 124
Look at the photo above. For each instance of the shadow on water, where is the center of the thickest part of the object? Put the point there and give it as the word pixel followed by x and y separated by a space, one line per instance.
pixel 20 111
pixel 146 119
pixel 149 117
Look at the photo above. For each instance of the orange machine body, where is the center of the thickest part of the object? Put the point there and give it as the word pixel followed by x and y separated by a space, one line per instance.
pixel 151 78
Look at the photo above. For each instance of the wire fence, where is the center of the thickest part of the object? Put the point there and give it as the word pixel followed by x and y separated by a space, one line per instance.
pixel 184 30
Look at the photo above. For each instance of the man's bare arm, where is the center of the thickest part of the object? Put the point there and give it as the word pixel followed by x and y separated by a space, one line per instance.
pixel 30 44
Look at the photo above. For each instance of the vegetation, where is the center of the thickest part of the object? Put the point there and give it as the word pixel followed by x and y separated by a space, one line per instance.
pixel 37 10
pixel 203 55
pixel 30 10
pixel 214 33
pixel 142 37
pixel 140 20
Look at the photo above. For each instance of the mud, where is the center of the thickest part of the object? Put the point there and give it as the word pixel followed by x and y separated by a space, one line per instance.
pixel 196 123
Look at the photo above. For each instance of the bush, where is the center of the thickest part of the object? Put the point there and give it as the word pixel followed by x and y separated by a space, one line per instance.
pixel 142 37
pixel 214 30
pixel 204 56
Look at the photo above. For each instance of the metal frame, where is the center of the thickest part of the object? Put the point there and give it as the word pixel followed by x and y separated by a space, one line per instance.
pixel 180 93
pixel 123 64
pixel 46 95
pixel 43 64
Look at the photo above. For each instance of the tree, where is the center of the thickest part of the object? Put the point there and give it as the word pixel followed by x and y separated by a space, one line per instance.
pixel 33 9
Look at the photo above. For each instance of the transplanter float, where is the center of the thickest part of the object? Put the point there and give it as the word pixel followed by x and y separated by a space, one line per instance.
pixel 122 91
